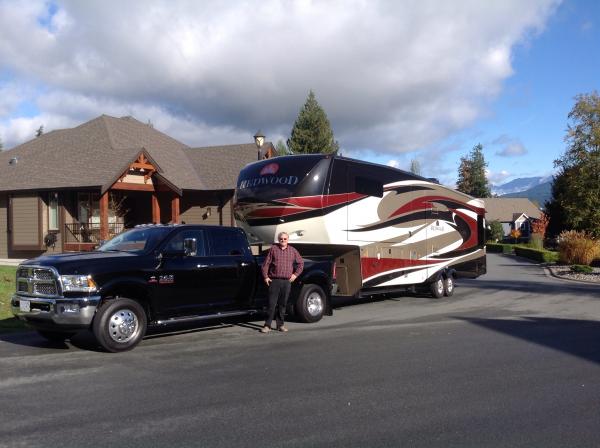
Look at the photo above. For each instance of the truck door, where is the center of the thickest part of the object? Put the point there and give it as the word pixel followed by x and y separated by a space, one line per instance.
pixel 233 268
pixel 183 283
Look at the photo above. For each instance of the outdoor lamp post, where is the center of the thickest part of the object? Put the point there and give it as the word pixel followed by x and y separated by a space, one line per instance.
pixel 259 139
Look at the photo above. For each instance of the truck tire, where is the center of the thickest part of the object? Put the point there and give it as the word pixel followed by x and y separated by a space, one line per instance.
pixel 311 303
pixel 119 324
pixel 437 288
pixel 56 336
pixel 449 286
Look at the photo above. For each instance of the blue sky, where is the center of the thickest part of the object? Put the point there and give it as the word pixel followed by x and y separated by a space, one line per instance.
pixel 399 80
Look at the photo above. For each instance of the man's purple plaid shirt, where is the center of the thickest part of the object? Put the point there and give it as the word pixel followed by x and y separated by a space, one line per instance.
pixel 280 263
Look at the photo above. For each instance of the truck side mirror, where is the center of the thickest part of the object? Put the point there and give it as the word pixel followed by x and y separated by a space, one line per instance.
pixel 190 247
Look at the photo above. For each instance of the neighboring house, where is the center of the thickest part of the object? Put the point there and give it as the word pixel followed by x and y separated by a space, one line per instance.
pixel 513 213
pixel 68 189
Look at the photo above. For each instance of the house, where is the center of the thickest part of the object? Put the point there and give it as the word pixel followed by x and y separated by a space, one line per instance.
pixel 68 189
pixel 512 213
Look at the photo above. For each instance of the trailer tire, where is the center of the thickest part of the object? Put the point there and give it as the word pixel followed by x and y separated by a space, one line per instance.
pixel 449 286
pixel 56 336
pixel 311 303
pixel 437 288
pixel 120 324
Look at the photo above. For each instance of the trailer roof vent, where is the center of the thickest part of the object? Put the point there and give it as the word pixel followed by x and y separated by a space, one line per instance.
pixel 13 161
pixel 435 180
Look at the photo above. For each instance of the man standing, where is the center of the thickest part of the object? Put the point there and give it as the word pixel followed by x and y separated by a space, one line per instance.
pixel 279 273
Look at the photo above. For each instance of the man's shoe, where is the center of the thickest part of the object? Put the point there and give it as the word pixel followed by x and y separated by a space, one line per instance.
pixel 265 329
pixel 283 329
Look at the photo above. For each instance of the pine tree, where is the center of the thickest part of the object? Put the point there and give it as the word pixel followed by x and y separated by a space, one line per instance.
pixel 575 203
pixel 39 131
pixel 312 133
pixel 1 145
pixel 415 167
pixel 281 149
pixel 471 174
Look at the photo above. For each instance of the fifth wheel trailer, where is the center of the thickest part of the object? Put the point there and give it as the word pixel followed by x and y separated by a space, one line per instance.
pixel 385 228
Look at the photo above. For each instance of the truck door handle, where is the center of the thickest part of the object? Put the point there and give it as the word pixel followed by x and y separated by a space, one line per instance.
pixel 243 264
pixel 200 266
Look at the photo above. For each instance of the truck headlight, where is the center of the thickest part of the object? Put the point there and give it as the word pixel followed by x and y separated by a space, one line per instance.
pixel 78 283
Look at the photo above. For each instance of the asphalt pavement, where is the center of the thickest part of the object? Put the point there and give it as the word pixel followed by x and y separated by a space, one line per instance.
pixel 513 359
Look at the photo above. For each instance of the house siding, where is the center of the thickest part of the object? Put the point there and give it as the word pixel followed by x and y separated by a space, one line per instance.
pixel 25 225
pixel 194 209
pixel 3 226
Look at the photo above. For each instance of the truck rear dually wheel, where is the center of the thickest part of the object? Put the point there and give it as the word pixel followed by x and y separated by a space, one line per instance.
pixel 120 324
pixel 311 303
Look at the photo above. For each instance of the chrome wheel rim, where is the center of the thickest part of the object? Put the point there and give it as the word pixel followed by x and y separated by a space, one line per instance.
pixel 314 304
pixel 440 286
pixel 449 284
pixel 123 326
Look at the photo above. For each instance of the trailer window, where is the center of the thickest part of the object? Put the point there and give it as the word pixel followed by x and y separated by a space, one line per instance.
pixel 369 187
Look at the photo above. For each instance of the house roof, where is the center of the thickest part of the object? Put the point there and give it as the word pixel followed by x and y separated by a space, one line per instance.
pixel 219 166
pixel 509 209
pixel 97 152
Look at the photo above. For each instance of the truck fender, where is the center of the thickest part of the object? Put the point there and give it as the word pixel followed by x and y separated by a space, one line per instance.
pixel 130 287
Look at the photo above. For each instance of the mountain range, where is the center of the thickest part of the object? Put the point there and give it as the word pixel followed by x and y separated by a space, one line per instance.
pixel 536 189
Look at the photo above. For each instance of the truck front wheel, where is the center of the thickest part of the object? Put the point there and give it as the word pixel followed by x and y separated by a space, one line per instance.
pixel 120 324
pixel 311 303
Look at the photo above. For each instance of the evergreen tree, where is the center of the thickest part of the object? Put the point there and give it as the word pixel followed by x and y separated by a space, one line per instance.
pixel 281 149
pixel 575 203
pixel 415 167
pixel 1 145
pixel 312 133
pixel 471 174
pixel 39 131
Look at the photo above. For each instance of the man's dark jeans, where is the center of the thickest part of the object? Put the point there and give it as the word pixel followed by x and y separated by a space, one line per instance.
pixel 279 291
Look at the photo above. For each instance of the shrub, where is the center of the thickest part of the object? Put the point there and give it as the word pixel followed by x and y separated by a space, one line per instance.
pixel 515 234
pixel 495 232
pixel 537 241
pixel 541 256
pixel 577 247
pixel 499 248
pixel 582 268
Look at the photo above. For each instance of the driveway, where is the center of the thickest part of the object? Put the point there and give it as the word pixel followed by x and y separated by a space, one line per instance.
pixel 513 359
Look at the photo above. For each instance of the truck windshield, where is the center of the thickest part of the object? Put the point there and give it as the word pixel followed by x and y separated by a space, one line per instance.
pixel 136 240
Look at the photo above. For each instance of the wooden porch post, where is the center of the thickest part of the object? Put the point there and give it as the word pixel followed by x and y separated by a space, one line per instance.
pixel 175 209
pixel 155 209
pixel 104 216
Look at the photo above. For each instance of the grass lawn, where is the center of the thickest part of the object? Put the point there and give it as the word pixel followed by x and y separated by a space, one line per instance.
pixel 7 289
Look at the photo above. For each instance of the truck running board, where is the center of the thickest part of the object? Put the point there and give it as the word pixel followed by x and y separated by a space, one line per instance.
pixel 178 320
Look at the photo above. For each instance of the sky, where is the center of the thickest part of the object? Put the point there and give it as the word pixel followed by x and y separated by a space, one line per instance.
pixel 399 80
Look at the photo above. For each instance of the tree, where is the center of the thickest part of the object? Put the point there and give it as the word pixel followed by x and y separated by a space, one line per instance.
pixel 281 149
pixel 471 174
pixel 496 232
pixel 415 167
pixel 39 131
pixel 1 145
pixel 575 203
pixel 312 133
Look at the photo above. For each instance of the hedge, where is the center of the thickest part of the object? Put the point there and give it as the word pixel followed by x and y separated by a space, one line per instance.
pixel 499 248
pixel 541 256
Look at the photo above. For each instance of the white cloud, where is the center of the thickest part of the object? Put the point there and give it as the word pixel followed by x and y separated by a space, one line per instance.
pixel 510 146
pixel 392 76
pixel 497 177
pixel 393 164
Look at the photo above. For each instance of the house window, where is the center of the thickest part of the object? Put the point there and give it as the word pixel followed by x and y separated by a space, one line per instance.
pixel 88 206
pixel 53 211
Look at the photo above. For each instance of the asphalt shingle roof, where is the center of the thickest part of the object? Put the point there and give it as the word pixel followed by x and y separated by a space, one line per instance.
pixel 508 209
pixel 95 153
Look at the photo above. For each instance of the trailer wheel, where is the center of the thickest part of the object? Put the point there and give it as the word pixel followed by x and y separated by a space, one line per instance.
pixel 437 288
pixel 56 336
pixel 119 324
pixel 449 286
pixel 311 303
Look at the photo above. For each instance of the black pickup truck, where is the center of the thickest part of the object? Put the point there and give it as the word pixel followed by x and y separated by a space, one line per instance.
pixel 155 275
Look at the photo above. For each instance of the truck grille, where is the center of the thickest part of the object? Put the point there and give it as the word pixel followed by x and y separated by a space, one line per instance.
pixel 37 282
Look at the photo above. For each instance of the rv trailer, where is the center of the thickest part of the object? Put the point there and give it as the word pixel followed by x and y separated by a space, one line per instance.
pixel 385 228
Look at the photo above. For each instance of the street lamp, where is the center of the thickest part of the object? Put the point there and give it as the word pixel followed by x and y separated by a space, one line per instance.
pixel 259 139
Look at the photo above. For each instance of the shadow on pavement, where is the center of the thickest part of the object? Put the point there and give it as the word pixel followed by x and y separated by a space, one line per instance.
pixel 573 336
pixel 543 287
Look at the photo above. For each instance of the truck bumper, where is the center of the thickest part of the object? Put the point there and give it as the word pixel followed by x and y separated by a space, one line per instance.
pixel 40 312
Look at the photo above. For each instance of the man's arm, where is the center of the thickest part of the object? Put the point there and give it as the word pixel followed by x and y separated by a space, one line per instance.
pixel 299 265
pixel 265 266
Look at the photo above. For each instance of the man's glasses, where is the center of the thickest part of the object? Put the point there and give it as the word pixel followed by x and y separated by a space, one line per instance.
pixel 282 239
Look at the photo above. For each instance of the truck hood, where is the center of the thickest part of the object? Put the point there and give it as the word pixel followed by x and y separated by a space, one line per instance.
pixel 79 262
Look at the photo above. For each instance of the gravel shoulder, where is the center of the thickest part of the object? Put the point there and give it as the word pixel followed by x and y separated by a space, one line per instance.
pixel 564 272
